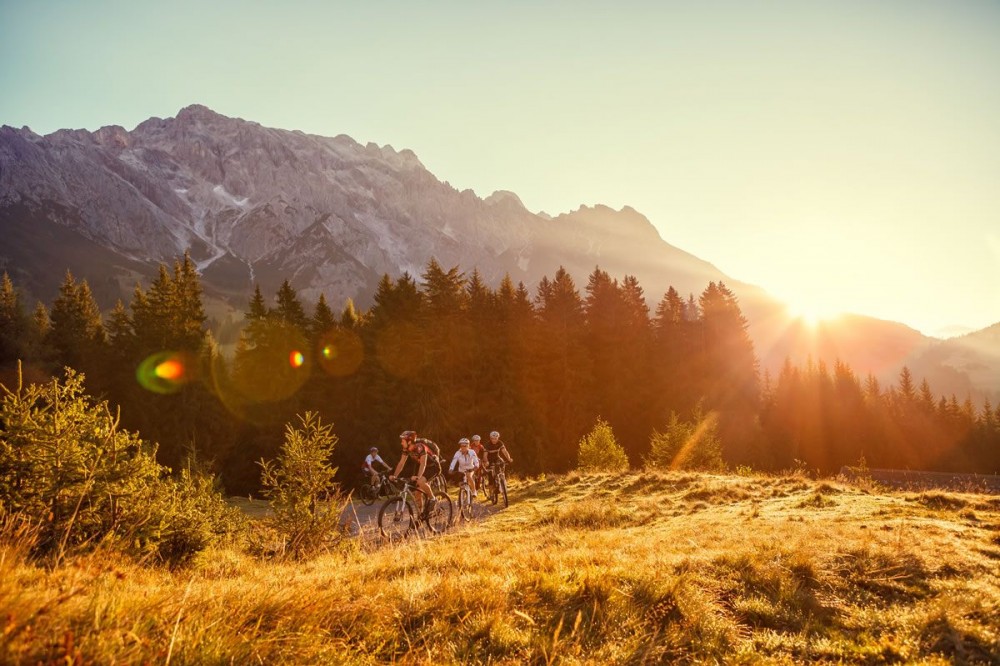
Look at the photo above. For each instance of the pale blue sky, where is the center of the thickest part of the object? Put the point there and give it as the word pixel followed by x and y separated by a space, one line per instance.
pixel 844 154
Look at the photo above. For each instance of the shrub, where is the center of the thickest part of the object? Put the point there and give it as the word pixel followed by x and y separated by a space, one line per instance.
pixel 65 465
pixel 600 451
pixel 304 496
pixel 691 444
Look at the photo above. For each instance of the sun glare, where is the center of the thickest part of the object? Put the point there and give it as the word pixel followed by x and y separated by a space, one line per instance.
pixel 812 314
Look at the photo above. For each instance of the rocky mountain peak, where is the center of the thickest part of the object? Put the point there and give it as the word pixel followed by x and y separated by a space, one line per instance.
pixel 198 113
pixel 504 197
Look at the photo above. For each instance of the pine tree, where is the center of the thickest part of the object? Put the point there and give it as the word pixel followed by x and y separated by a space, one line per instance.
pixel 562 373
pixel 190 310
pixel 350 318
pixel 299 481
pixel 14 325
pixel 322 321
pixel 691 444
pixel 729 366
pixel 77 335
pixel 289 310
pixel 599 451
pixel 906 388
pixel 444 385
pixel 673 356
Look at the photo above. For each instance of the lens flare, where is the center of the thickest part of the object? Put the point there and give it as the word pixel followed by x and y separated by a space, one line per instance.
pixel 171 370
pixel 165 372
pixel 271 371
pixel 340 352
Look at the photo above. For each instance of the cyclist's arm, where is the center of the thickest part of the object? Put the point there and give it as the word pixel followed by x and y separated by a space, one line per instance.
pixel 505 453
pixel 454 462
pixel 423 465
pixel 399 465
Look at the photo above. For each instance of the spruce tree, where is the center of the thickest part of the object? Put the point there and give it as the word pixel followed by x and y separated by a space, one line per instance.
pixel 561 369
pixel 14 325
pixel 599 451
pixel 77 334
pixel 322 320
pixel 289 310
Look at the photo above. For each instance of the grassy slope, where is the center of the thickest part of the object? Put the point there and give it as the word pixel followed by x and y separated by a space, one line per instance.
pixel 595 569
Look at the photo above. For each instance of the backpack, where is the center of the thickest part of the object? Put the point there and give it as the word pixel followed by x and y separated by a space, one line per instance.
pixel 432 448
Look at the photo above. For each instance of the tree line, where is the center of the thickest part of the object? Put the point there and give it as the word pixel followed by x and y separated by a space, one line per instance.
pixel 450 356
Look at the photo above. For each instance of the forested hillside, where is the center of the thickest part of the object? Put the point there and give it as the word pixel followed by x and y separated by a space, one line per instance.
pixel 446 355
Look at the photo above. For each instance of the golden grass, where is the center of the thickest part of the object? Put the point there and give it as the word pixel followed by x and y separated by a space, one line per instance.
pixel 589 569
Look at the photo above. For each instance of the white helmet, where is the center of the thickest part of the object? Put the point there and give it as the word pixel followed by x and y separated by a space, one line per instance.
pixel 464 441
pixel 476 438
pixel 495 434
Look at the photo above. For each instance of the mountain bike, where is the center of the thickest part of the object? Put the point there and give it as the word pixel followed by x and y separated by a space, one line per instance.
pixel 383 488
pixel 465 499
pixel 490 485
pixel 439 484
pixel 399 518
pixel 500 482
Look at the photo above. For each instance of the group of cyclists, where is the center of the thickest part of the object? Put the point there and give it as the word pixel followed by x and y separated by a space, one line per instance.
pixel 420 458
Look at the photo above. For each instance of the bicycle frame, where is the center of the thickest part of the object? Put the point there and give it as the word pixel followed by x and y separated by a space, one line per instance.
pixel 402 516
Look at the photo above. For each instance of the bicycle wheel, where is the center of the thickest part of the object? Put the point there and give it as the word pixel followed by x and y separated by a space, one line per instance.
pixel 439 485
pixel 397 519
pixel 368 494
pixel 440 517
pixel 465 503
pixel 491 491
pixel 502 482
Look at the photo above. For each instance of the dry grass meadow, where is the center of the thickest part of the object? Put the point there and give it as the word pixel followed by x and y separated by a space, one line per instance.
pixel 581 569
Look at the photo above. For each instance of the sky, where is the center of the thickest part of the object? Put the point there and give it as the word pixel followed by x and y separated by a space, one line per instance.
pixel 843 155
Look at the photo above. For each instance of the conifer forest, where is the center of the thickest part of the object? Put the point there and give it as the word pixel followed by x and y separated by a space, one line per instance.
pixel 449 356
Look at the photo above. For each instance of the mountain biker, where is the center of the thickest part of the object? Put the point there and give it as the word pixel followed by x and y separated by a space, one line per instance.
pixel 419 460
pixel 476 446
pixel 497 448
pixel 467 462
pixel 369 466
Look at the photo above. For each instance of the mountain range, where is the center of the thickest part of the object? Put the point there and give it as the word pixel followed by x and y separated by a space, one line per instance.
pixel 259 205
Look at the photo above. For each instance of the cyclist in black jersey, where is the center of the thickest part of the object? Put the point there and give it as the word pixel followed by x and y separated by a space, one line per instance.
pixel 494 450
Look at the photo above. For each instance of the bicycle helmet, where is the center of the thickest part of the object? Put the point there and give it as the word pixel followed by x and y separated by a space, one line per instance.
pixel 374 449
pixel 495 434
pixel 408 435
pixel 464 441
pixel 476 438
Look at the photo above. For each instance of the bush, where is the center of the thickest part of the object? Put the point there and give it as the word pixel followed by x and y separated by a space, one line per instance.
pixel 600 451
pixel 65 465
pixel 305 498
pixel 693 445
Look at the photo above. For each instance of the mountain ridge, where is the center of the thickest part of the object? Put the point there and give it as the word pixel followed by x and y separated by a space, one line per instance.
pixel 259 204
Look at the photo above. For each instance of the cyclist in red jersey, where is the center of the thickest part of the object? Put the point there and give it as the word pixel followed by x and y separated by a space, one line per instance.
pixel 420 461
pixel 477 446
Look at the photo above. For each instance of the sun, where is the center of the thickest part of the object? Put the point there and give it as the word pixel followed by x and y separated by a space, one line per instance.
pixel 812 313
